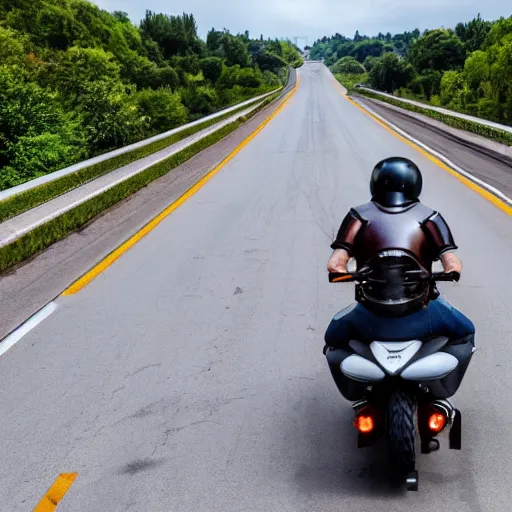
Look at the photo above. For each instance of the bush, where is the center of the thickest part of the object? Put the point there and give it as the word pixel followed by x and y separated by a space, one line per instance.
pixel 271 79
pixel 249 77
pixel 228 77
pixel 162 108
pixel 369 62
pixel 348 65
pixel 211 68
pixel 270 61
pixel 33 125
pixel 79 66
pixel 489 109
pixel 37 155
pixel 235 51
pixel 451 82
pixel 428 82
pixel 389 72
pixel 165 77
pixel 110 115
pixel 200 100
pixel 188 65
pixel 350 81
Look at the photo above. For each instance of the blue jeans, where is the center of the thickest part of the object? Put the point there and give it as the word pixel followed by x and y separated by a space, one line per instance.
pixel 358 323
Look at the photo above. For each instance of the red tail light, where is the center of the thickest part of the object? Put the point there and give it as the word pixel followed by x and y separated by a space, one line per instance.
pixel 365 424
pixel 436 422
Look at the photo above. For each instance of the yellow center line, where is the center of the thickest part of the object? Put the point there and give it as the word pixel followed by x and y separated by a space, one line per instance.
pixel 115 255
pixel 56 492
pixel 470 184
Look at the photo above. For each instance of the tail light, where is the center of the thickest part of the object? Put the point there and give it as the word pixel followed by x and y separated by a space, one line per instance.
pixel 366 420
pixel 365 424
pixel 437 422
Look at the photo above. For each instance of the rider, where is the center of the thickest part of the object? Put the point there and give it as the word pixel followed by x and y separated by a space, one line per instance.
pixel 395 223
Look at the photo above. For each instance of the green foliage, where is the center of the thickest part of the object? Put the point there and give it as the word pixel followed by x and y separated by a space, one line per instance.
pixel 214 40
pixel 162 109
pixel 389 72
pixel 349 81
pixel 211 68
pixel 249 77
pixel 77 68
pixel 369 62
pixel 202 100
pixel 268 61
pixel 474 33
pixel 427 83
pixel 500 32
pixel 451 83
pixel 370 48
pixel 78 81
pixel 348 65
pixel 438 50
pixel 235 51
pixel 360 47
pixel 110 115
pixel 174 34
pixel 468 70
pixel 14 47
pixel 33 155
pixel 32 121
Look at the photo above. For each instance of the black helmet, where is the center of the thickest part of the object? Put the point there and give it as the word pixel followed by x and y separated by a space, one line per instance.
pixel 396 181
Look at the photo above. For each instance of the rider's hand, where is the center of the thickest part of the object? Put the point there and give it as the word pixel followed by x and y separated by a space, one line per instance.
pixel 338 261
pixel 451 263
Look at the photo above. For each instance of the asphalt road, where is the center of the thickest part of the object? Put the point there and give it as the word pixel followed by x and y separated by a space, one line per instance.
pixel 496 171
pixel 189 376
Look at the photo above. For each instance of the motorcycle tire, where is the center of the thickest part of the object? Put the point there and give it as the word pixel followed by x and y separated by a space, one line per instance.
pixel 402 432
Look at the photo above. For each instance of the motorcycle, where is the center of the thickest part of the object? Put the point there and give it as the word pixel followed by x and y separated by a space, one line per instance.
pixel 396 386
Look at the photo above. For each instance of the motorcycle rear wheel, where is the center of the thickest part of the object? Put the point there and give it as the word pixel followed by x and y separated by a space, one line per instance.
pixel 401 432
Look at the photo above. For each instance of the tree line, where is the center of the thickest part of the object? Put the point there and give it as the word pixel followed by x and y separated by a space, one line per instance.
pixel 77 81
pixel 467 69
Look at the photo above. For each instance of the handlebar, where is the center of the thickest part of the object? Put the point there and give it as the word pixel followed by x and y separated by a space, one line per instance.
pixel 446 276
pixel 338 277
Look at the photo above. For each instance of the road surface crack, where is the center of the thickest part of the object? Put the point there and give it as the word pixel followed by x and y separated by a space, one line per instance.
pixel 142 369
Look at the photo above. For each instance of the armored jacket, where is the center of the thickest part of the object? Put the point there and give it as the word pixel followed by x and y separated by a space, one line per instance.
pixel 372 228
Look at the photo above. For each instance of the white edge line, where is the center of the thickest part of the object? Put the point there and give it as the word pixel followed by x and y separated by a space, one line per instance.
pixel 441 157
pixel 26 327
pixel 180 146
pixel 459 115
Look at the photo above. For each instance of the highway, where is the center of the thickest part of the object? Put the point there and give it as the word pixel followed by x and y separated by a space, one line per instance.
pixel 189 375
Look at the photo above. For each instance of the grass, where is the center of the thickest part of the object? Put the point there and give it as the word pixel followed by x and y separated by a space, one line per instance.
pixel 31 198
pixel 43 236
pixel 455 122
pixel 349 81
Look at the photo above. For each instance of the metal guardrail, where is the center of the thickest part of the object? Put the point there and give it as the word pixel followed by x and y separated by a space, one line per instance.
pixel 47 178
pixel 15 227
pixel 444 111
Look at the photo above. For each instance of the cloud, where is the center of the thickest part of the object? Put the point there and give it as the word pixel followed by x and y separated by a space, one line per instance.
pixel 318 18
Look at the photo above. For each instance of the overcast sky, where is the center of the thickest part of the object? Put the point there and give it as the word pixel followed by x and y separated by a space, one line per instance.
pixel 316 18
